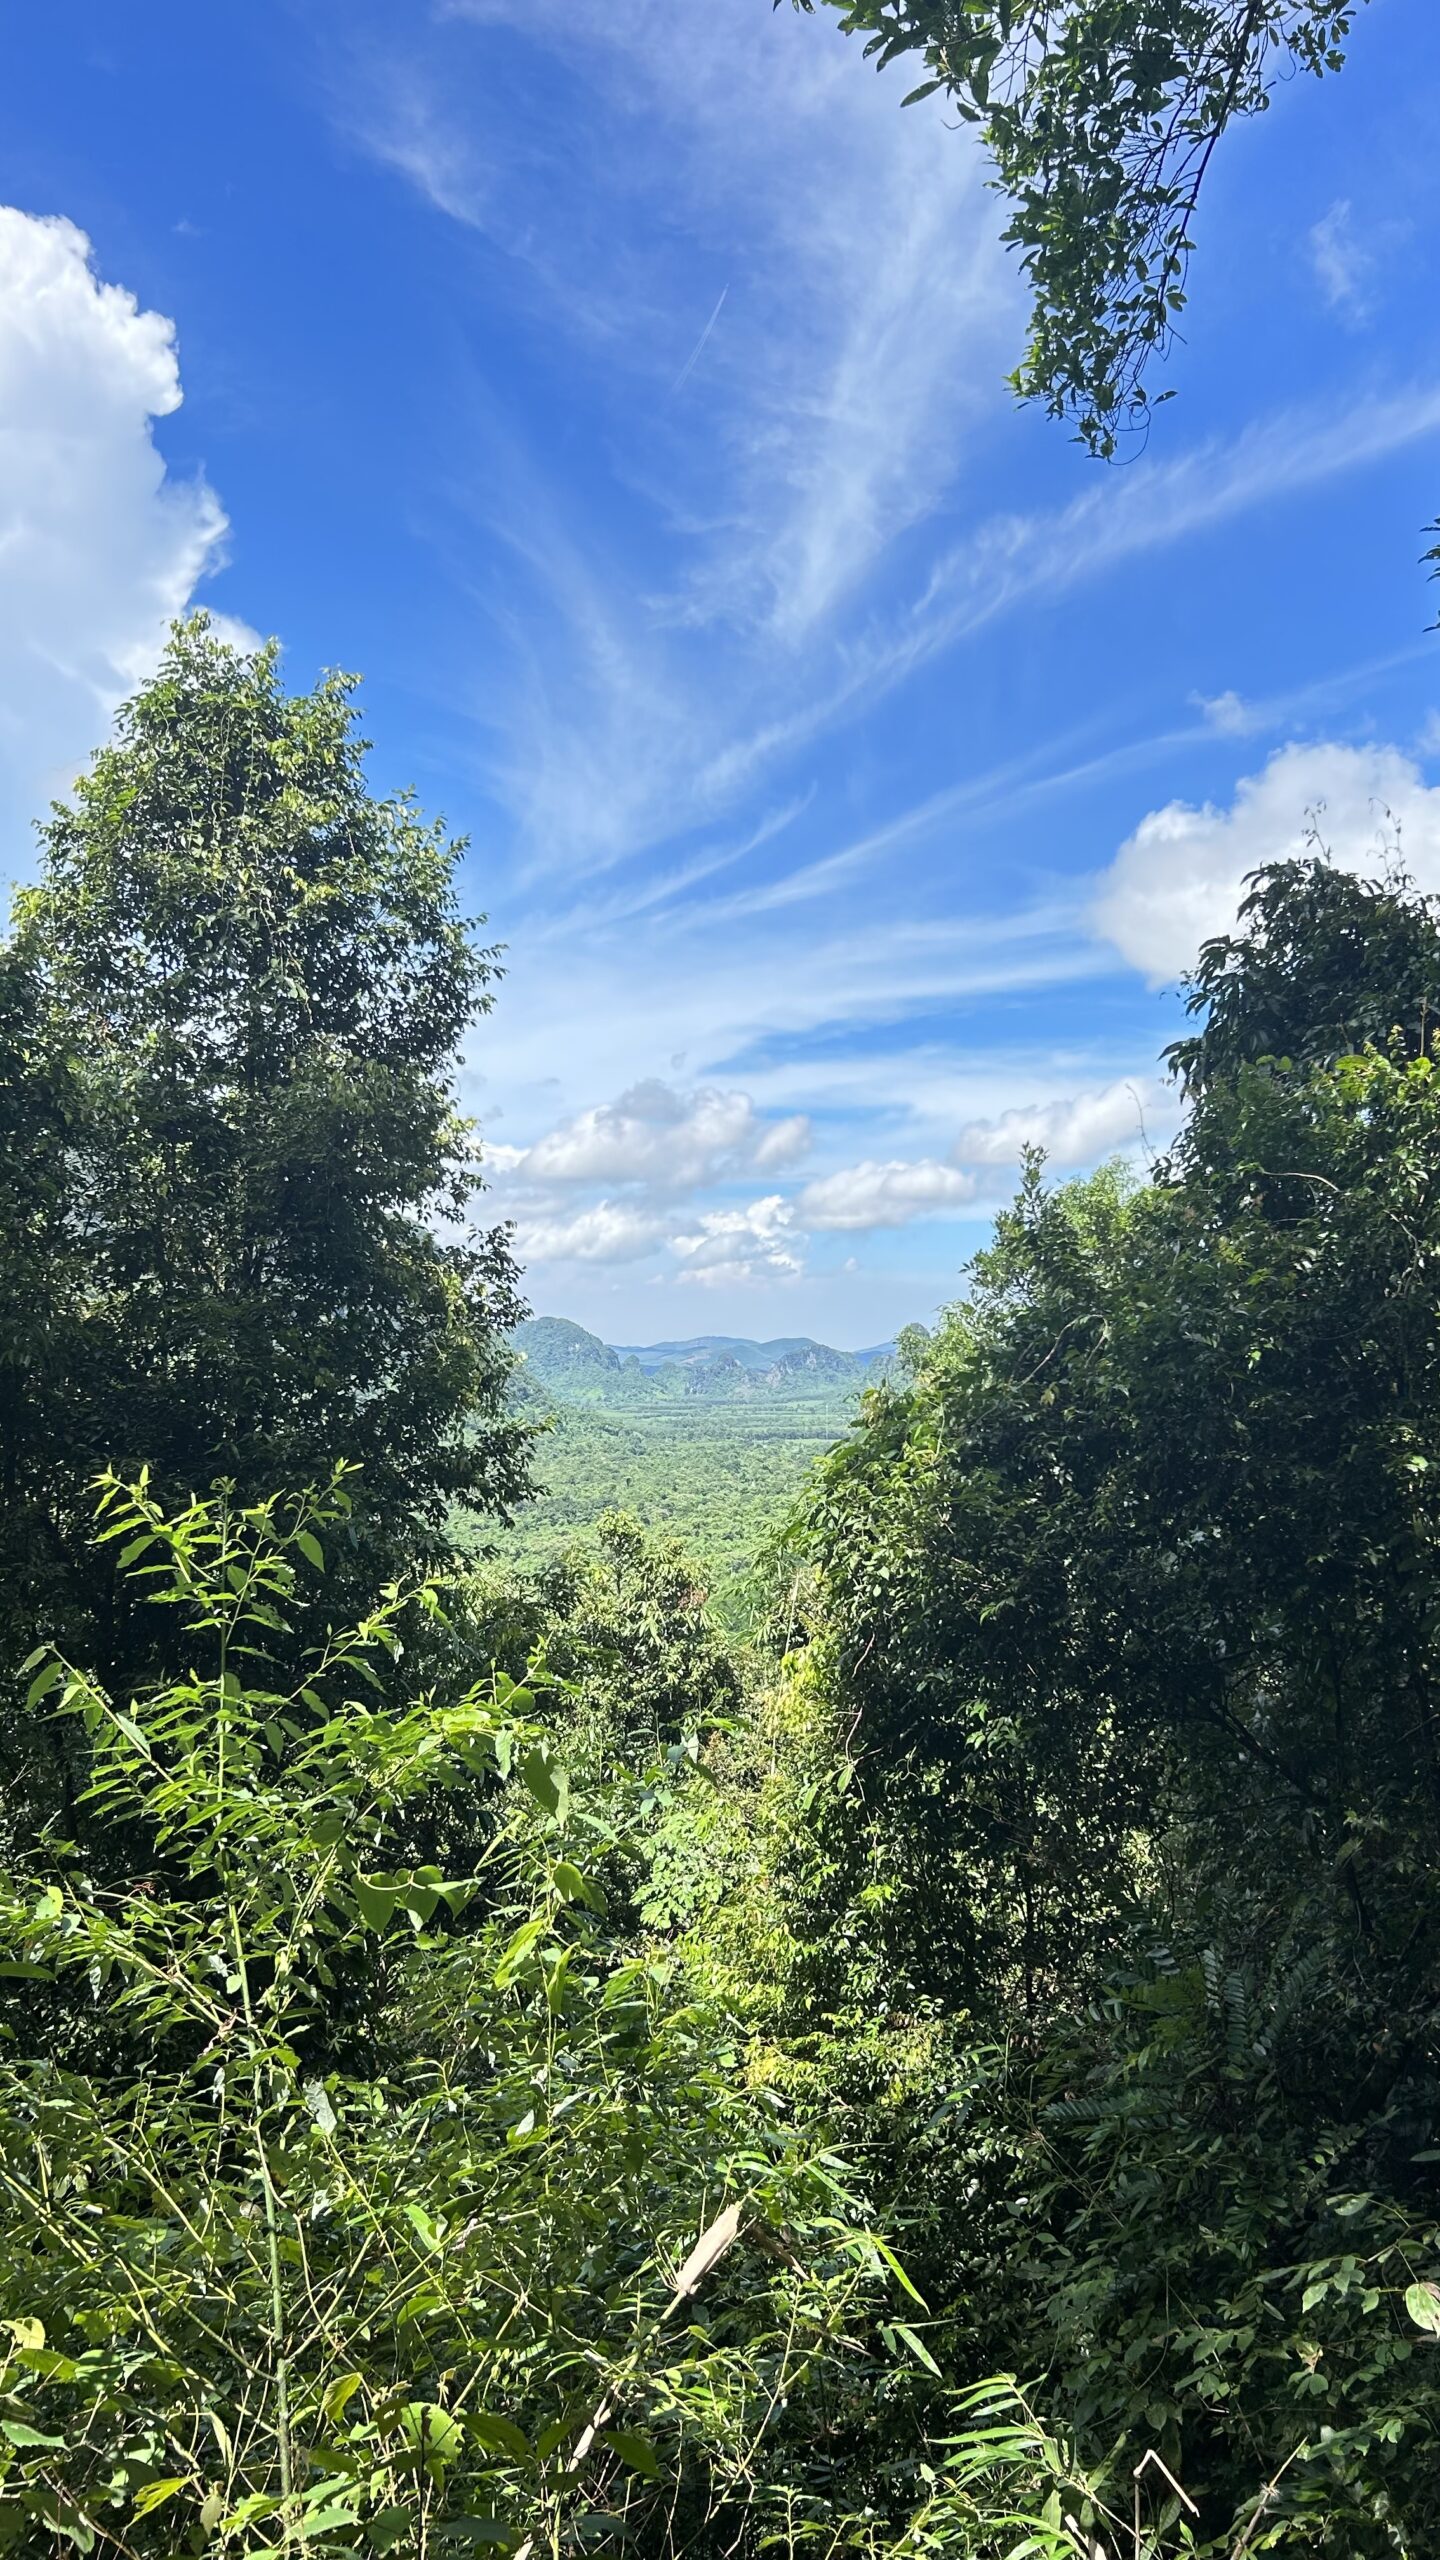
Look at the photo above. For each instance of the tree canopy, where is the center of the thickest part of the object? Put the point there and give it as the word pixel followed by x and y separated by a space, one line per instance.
pixel 232 1008
pixel 1102 117
pixel 1127 1619
pixel 485 2065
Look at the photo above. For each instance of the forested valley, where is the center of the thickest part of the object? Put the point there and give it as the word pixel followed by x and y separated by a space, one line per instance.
pixel 489 2060
pixel 702 1957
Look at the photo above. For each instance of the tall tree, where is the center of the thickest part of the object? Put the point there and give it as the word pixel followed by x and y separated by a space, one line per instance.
pixel 1127 1628
pixel 232 1008
pixel 1102 117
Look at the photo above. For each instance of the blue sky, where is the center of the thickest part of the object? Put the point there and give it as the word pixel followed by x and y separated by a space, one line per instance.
pixel 850 764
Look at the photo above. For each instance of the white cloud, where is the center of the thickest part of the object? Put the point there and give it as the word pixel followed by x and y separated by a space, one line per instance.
pixel 1179 878
pixel 611 1231
pixel 1225 713
pixel 99 547
pixel 1076 1130
pixel 654 1135
pixel 1341 262
pixel 737 1246
pixel 884 1195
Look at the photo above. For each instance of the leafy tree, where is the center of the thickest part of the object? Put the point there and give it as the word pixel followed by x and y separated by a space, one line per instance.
pixel 277 2281
pixel 235 1000
pixel 622 1614
pixel 1102 117
pixel 1126 1645
pixel 1321 963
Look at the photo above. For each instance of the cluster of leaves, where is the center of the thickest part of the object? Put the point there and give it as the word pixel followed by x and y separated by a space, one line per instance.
pixel 473 2072
pixel 345 2198
pixel 1124 1662
pixel 1102 117
pixel 236 1184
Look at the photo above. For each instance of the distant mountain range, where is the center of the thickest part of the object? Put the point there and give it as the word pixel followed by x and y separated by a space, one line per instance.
pixel 576 1367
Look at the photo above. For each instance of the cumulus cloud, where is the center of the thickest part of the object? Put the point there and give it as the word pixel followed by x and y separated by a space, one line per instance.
pixel 1074 1130
pixel 884 1195
pixel 716 1246
pixel 654 1135
pixel 1179 878
pixel 99 546
pixel 740 1245
pixel 610 1231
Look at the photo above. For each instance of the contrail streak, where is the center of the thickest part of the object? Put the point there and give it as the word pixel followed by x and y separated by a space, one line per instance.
pixel 697 351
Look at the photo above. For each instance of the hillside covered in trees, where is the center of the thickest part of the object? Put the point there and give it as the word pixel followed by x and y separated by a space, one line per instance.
pixel 485 2064
pixel 707 1441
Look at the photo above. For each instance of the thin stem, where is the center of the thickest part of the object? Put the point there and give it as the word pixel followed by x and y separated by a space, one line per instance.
pixel 272 2243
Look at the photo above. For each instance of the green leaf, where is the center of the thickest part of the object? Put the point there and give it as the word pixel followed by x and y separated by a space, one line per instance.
pixel 916 2345
pixel 310 1548
pixel 385 2529
pixel 43 1682
pixel 501 2434
pixel 336 2397
pixel 535 1769
pixel 157 2493
pixel 420 2222
pixel 1422 2301
pixel 432 2433
pixel 317 2105
pixel 63 2516
pixel 883 2250
pixel 634 2451
pixel 527 1937
pixel 377 1900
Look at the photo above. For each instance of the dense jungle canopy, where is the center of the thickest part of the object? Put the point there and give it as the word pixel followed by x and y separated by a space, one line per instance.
pixel 1016 1968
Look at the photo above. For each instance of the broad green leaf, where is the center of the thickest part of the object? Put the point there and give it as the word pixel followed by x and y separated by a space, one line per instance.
pixel 527 1937
pixel 432 2433
pixel 377 1900
pixel 634 2451
pixel 537 1771
pixel 335 2399
pixel 1422 2301
pixel 501 2434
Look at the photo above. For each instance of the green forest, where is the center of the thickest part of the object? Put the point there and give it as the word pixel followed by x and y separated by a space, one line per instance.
pixel 821 1955
pixel 706 1446
pixel 491 2059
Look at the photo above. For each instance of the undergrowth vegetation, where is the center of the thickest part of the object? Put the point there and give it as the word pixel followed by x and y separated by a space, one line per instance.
pixel 485 2064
